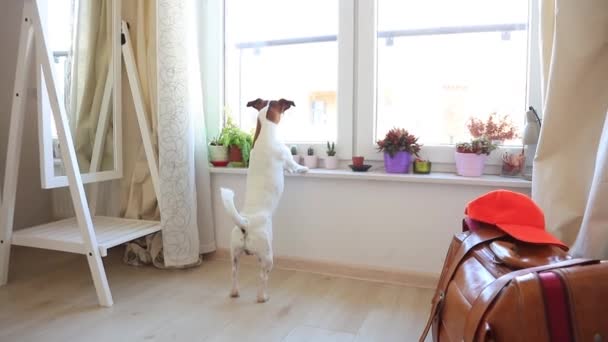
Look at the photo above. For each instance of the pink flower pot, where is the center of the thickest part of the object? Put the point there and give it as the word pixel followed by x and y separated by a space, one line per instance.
pixel 331 163
pixel 470 164
pixel 311 162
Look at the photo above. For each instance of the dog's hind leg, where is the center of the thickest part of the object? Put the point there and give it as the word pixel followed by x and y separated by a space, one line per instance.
pixel 266 264
pixel 235 254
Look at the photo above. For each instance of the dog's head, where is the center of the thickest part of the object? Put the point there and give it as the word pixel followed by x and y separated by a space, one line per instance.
pixel 275 108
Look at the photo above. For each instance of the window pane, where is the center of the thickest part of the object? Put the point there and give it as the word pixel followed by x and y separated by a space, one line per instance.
pixel 284 49
pixel 442 62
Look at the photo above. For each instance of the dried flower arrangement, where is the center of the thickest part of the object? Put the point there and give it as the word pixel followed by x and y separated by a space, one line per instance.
pixel 513 164
pixel 494 128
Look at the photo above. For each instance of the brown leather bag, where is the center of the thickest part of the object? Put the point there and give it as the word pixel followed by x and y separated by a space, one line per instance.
pixel 490 289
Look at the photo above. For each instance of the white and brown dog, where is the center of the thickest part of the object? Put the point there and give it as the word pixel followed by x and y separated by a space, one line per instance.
pixel 265 181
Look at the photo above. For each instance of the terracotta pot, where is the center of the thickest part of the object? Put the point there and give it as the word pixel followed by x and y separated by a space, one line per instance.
pixel 331 163
pixel 235 154
pixel 358 161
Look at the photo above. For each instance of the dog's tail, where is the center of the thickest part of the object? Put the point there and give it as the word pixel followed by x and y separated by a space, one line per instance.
pixel 228 201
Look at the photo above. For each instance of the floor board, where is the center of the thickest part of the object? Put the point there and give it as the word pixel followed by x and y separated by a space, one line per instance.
pixel 50 297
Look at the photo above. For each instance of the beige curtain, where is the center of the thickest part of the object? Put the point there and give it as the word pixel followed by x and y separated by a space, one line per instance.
pixel 92 54
pixel 139 200
pixel 570 178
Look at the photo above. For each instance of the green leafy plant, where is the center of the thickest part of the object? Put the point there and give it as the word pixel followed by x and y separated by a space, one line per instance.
pixel 232 135
pixel 311 151
pixel 294 151
pixel 331 149
pixel 399 140
pixel 480 145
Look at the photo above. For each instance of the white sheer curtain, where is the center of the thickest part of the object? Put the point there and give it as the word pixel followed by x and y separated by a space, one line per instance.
pixel 570 179
pixel 185 205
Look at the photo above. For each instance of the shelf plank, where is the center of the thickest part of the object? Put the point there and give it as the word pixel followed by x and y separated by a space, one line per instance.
pixel 65 235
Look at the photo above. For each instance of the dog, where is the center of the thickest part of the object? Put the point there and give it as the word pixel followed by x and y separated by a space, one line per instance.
pixel 269 159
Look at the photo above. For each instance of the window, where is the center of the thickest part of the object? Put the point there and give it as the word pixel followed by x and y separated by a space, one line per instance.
pixel 358 68
pixel 284 49
pixel 441 62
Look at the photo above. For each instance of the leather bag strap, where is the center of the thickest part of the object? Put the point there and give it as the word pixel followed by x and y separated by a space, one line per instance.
pixel 479 236
pixel 487 296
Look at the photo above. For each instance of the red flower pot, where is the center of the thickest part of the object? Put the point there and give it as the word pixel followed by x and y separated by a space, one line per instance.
pixel 235 154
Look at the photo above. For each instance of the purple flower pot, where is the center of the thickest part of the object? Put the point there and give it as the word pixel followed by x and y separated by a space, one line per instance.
pixel 399 163
pixel 470 164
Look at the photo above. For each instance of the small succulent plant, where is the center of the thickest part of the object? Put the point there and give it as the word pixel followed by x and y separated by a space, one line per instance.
pixel 311 151
pixel 294 151
pixel 331 149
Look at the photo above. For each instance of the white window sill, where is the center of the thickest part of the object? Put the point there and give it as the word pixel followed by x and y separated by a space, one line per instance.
pixel 380 175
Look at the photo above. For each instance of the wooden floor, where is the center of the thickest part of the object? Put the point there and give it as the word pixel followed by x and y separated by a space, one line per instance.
pixel 50 297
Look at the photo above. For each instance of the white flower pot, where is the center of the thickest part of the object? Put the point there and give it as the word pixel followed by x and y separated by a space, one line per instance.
pixel 311 162
pixel 218 153
pixel 331 163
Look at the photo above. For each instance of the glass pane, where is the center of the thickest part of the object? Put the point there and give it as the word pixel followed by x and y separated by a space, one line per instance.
pixel 60 19
pixel 443 62
pixel 284 49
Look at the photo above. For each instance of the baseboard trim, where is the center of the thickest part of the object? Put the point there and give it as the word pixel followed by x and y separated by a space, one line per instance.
pixel 360 272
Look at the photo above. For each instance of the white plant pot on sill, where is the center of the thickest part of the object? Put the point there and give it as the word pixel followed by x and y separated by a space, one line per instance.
pixel 311 162
pixel 331 163
pixel 218 153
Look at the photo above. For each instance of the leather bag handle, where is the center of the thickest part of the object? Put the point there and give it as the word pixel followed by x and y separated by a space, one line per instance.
pixel 487 296
pixel 479 236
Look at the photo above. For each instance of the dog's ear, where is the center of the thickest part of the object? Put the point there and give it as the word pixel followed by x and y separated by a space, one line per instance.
pixel 286 104
pixel 257 103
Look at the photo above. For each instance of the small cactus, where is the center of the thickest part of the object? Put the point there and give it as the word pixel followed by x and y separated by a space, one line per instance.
pixel 331 149
pixel 294 151
pixel 311 151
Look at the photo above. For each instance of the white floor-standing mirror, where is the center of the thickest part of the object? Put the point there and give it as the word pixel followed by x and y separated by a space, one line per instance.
pixel 83 39
pixel 75 51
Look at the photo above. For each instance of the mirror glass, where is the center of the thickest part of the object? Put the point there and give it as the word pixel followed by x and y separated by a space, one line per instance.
pixel 83 39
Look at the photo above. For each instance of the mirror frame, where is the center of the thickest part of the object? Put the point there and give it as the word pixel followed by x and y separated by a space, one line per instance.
pixel 45 116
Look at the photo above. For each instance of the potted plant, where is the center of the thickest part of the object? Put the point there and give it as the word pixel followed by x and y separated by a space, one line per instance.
pixel 218 153
pixel 471 156
pixel 496 129
pixel 294 154
pixel 238 142
pixel 398 146
pixel 512 164
pixel 310 160
pixel 422 166
pixel 331 161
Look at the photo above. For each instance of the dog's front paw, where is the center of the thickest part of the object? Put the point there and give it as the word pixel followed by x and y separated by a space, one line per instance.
pixel 263 298
pixel 302 169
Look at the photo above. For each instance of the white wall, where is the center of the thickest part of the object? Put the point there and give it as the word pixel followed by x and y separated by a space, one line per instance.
pixel 387 224
pixel 33 203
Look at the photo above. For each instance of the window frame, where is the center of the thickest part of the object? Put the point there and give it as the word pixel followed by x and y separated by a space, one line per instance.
pixel 366 89
pixel 356 89
pixel 345 86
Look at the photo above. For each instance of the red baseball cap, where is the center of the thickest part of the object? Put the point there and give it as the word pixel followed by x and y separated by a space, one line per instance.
pixel 515 214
